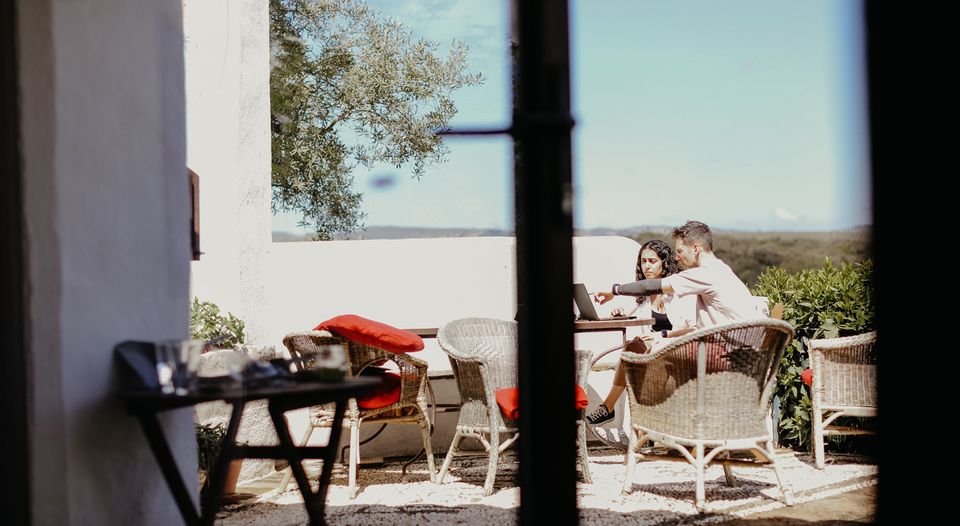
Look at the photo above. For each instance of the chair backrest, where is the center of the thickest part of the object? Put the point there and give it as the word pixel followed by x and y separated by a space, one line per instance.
pixel 481 344
pixel 713 383
pixel 302 345
pixel 845 370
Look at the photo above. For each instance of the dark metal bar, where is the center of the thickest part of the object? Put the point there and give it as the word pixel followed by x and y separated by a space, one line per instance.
pixel 13 364
pixel 544 226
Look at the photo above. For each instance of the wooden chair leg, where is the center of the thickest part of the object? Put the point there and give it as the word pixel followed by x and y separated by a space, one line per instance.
pixel 428 448
pixel 728 475
pixel 583 453
pixel 818 445
pixel 493 461
pixel 630 461
pixel 457 437
pixel 701 497
pixel 354 457
pixel 785 490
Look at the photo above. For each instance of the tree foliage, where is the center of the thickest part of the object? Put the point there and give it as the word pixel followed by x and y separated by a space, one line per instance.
pixel 827 302
pixel 349 89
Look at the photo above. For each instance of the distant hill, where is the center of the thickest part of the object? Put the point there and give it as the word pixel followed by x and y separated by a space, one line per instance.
pixel 403 232
pixel 748 253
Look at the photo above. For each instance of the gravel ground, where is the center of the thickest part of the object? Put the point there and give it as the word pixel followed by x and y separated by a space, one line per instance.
pixel 663 493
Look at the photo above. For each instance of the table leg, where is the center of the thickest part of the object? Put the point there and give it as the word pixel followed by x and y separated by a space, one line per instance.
pixel 161 451
pixel 218 478
pixel 314 501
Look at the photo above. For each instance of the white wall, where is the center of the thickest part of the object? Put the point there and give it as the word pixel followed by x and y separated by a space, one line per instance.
pixel 107 227
pixel 228 145
pixel 421 282
pixel 424 283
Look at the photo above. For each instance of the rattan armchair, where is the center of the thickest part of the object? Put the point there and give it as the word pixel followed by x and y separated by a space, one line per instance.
pixel 483 356
pixel 705 395
pixel 411 408
pixel 844 384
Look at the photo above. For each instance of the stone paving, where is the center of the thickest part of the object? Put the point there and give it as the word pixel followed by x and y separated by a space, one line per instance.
pixel 663 493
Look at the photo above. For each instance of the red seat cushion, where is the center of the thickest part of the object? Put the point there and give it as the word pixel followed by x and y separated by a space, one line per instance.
pixel 807 376
pixel 509 401
pixel 362 330
pixel 387 393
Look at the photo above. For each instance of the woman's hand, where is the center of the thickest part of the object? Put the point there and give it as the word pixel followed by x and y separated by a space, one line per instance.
pixel 602 297
pixel 617 311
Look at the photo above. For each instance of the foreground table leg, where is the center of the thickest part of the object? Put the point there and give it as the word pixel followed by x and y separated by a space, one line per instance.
pixel 314 502
pixel 168 466
pixel 218 478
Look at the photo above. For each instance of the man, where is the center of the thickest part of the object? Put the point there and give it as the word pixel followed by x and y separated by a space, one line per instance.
pixel 721 296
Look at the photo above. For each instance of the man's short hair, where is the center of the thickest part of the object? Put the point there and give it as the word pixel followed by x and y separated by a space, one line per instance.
pixel 695 232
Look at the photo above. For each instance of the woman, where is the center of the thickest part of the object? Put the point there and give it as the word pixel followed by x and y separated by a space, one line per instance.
pixel 672 316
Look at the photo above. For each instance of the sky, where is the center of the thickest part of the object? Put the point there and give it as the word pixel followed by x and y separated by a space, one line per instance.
pixel 746 115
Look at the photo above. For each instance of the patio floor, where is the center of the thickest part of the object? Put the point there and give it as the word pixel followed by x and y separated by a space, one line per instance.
pixel 662 494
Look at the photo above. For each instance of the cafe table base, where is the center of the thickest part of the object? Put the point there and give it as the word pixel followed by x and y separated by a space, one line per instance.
pixel 281 397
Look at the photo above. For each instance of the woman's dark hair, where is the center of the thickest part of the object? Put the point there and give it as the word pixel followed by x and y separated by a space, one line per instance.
pixel 664 252
pixel 666 255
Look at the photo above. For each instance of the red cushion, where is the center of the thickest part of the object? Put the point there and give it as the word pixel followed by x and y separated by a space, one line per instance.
pixel 807 376
pixel 373 333
pixel 509 401
pixel 388 392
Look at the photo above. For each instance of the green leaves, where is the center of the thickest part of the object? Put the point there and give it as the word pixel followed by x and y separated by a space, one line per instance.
pixel 827 302
pixel 348 89
pixel 206 323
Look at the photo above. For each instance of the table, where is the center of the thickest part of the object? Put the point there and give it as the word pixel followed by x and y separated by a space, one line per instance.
pixel 282 395
pixel 610 326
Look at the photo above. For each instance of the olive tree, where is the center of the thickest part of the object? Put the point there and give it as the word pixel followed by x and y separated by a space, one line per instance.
pixel 349 88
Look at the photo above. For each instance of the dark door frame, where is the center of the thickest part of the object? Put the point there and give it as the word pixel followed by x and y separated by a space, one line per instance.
pixel 14 445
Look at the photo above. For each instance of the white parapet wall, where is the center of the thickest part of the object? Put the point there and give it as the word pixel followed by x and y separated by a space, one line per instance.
pixel 423 283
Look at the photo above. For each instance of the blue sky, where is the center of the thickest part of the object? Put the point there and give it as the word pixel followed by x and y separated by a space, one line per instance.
pixel 742 114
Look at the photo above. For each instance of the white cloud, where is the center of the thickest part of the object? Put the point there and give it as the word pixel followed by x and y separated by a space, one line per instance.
pixel 783 213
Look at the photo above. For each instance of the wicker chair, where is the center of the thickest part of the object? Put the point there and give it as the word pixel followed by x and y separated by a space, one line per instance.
pixel 705 395
pixel 844 384
pixel 483 356
pixel 411 408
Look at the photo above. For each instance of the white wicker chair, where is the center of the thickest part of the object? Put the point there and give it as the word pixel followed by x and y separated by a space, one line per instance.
pixel 411 408
pixel 483 356
pixel 844 384
pixel 705 395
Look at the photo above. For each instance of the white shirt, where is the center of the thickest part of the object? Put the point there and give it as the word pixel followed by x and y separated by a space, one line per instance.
pixel 682 312
pixel 721 296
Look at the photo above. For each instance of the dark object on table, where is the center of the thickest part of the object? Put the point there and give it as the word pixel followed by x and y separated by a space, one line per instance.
pixel 138 365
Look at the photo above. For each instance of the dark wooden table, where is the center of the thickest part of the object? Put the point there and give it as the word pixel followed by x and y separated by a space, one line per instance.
pixel 282 396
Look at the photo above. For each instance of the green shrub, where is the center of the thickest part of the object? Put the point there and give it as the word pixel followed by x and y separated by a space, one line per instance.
pixel 824 303
pixel 209 442
pixel 206 323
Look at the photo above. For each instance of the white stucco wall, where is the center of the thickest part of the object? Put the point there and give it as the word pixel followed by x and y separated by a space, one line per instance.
pixel 107 226
pixel 228 145
pixel 424 283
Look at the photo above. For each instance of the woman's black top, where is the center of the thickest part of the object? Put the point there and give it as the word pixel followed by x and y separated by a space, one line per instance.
pixel 660 322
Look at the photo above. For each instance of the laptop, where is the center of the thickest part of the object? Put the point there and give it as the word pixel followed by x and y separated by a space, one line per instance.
pixel 585 305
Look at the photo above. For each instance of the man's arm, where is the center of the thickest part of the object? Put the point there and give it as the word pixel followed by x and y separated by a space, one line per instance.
pixel 644 287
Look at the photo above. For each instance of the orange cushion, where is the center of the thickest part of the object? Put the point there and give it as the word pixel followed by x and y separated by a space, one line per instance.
pixel 362 330
pixel 807 376
pixel 388 392
pixel 509 401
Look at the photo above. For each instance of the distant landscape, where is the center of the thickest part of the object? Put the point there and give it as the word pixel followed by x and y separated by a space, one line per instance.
pixel 748 253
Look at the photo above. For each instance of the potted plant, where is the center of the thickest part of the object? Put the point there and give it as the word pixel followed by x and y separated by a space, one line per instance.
pixel 209 443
